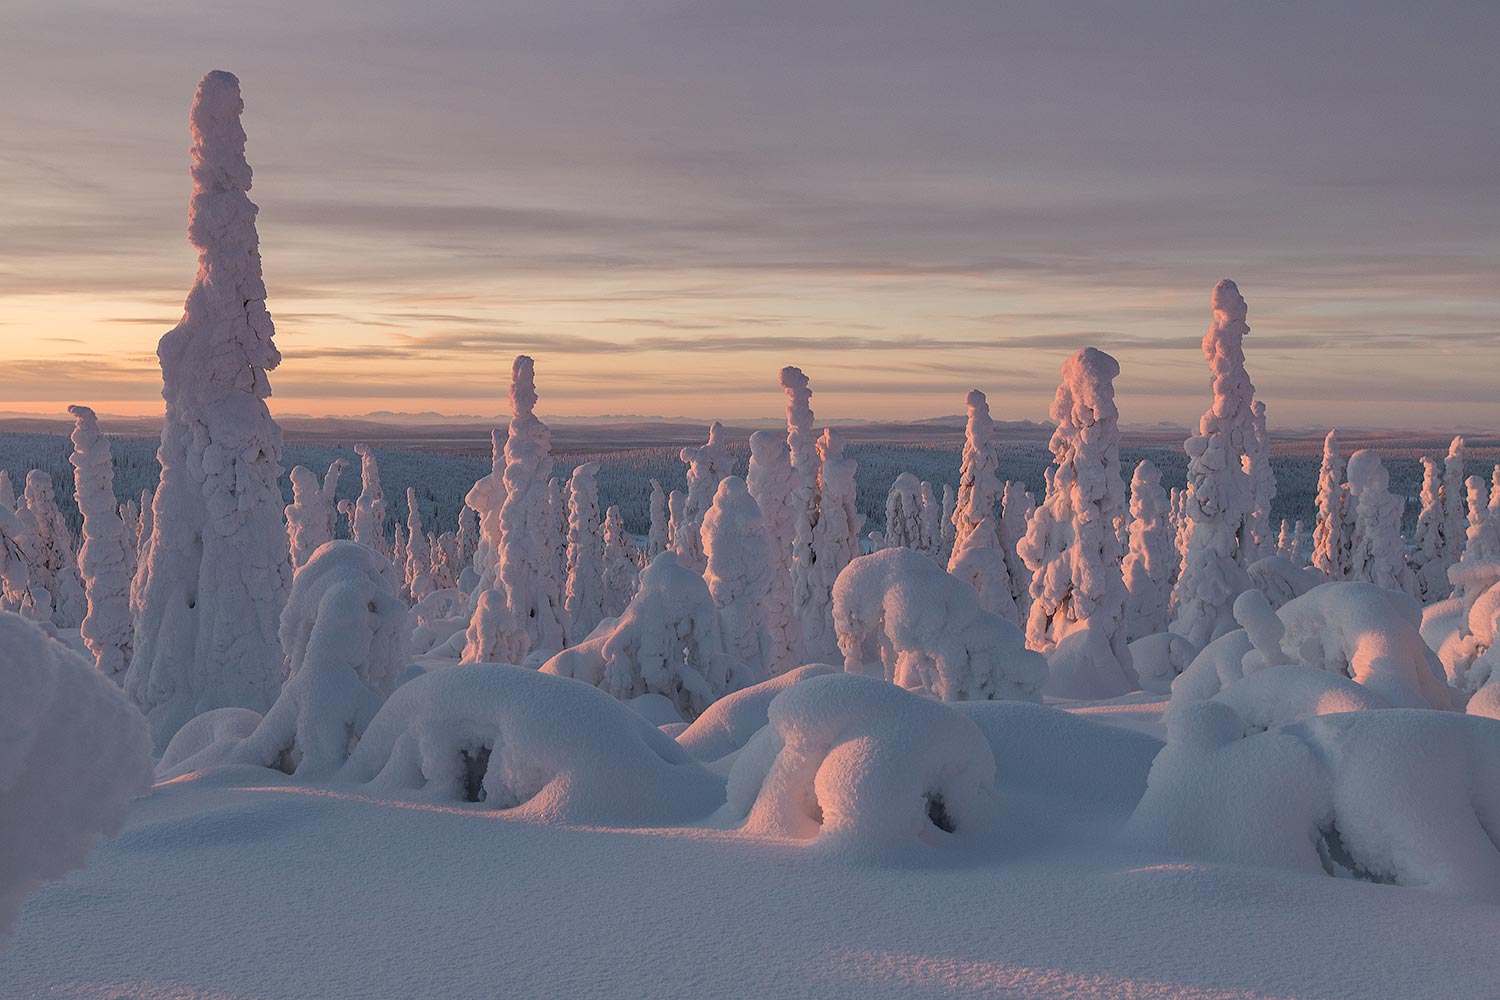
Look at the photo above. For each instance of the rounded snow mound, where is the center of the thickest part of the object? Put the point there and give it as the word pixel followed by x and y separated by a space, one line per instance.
pixel 550 749
pixel 730 723
pixel 1280 695
pixel 73 753
pixel 928 630
pixel 864 767
pixel 209 738
pixel 1406 797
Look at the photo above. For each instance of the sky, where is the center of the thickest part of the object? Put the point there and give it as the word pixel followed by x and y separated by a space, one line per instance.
pixel 664 202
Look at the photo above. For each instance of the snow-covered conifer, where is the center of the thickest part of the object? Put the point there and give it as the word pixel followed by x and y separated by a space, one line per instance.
pixel 418 564
pixel 557 539
pixel 903 514
pixel 1147 568
pixel 1378 553
pixel 1262 483
pixel 945 524
pixel 15 564
pixel 1223 499
pixel 494 635
pixel 979 488
pixel 835 543
pixel 931 515
pixel 1077 616
pixel 527 567
pixel 773 483
pixel 1455 515
pixel 1017 507
pixel 801 442
pixel 677 532
pixel 1482 538
pixel 979 561
pixel 707 464
pixel 739 578
pixel 105 558
pixel 485 498
pixel 367 523
pixel 55 568
pixel 656 537
pixel 1426 556
pixel 310 517
pixel 621 564
pixel 585 584
pixel 1333 535
pixel 210 589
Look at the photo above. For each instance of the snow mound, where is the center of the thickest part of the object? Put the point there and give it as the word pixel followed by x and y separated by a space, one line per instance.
pixel 928 630
pixel 209 739
pixel 549 749
pixel 1407 797
pixel 73 753
pixel 1159 658
pixel 1284 694
pixel 730 722
pixel 865 768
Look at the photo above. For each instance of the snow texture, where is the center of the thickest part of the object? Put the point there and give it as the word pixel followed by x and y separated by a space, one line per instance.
pixel 729 723
pixel 708 464
pixel 1379 556
pixel 835 543
pixel 622 570
pixel 928 632
pixel 53 567
pixel 216 570
pixel 105 559
pixel 1147 567
pixel 310 519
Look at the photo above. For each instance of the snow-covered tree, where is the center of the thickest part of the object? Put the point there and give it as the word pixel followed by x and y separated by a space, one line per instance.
pixel 1379 554
pixel 494 635
pixel 678 534
pixel 1077 616
pixel 622 564
pixel 1222 502
pixel 55 569
pixel 466 541
pixel 15 564
pixel 585 585
pixel 1333 535
pixel 1016 510
pixel 707 464
pixel 739 578
pixel 217 569
pixel 1147 568
pixel 1298 551
pixel 801 441
pixel 418 565
pixel 931 514
pixel 1455 516
pixel 527 567
pixel 772 482
pixel 1482 538
pixel 557 539
pixel 835 543
pixel 106 555
pixel 979 560
pixel 367 514
pixel 310 517
pixel 656 537
pixel 945 524
pixel 485 499
pixel 903 514
pixel 1262 484
pixel 1426 556
pixel 979 488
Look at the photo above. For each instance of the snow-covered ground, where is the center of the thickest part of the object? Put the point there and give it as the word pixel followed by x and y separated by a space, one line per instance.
pixel 239 884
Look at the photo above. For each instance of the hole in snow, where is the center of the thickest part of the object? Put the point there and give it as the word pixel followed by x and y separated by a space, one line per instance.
pixel 1340 863
pixel 476 763
pixel 938 812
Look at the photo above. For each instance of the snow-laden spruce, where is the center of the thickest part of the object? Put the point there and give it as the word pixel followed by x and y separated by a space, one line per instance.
pixel 366 513
pixel 485 499
pixel 904 524
pixel 345 632
pixel 835 543
pixel 1455 516
pixel 666 643
pixel 808 597
pixel 104 561
pixel 73 753
pixel 1262 485
pixel 584 599
pixel 979 488
pixel 215 574
pixel 899 614
pixel 1077 617
pixel 1333 536
pixel 773 483
pixel 979 561
pixel 708 464
pixel 1147 567
pixel 1378 554
pixel 54 567
pixel 1482 536
pixel 739 578
pixel 528 565
pixel 417 566
pixel 622 571
pixel 1222 501
pixel 310 517
pixel 494 635
pixel 15 564
pixel 1426 558
pixel 859 766
pixel 656 536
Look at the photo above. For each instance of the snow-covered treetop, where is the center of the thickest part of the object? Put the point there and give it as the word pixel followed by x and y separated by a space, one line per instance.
pixel 1223 347
pixel 799 421
pixel 224 343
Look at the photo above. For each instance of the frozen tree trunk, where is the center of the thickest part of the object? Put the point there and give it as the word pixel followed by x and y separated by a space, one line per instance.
pixel 739 578
pixel 707 464
pixel 1077 616
pixel 657 537
pixel 979 489
pixel 1379 553
pixel 528 564
pixel 1333 535
pixel 835 543
pixel 54 568
pixel 773 483
pixel 1147 568
pixel 217 570
pixel 310 520
pixel 106 555
pixel 1222 501
pixel 585 591
pixel 621 564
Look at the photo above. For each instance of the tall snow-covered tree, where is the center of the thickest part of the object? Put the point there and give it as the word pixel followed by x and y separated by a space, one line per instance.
pixel 945 523
pixel 1333 535
pixel 1379 554
pixel 979 488
pixel 418 567
pixel 485 499
pixel 903 514
pixel 1017 506
pixel 105 558
pixel 216 572
pixel 367 513
pixel 931 514
pixel 1077 616
pixel 835 543
pixel 310 520
pixel 15 564
pixel 739 578
pixel 1147 568
pixel 801 440
pixel 979 560
pixel 1455 516
pixel 707 464
pixel 55 569
pixel 677 527
pixel 494 635
pixel 585 584
pixel 1262 484
pixel 1482 537
pixel 1223 499
pixel 657 537
pixel 528 567
pixel 621 564
pixel 772 483
pixel 1426 558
